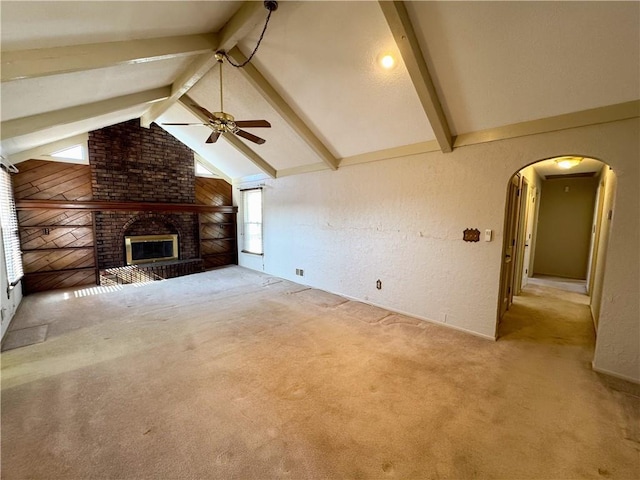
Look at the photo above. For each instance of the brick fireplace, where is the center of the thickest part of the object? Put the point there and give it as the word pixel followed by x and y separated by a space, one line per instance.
pixel 73 219
pixel 130 163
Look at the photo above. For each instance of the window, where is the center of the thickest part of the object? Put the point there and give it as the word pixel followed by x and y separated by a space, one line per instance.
pixel 9 226
pixel 252 211
pixel 202 171
pixel 76 153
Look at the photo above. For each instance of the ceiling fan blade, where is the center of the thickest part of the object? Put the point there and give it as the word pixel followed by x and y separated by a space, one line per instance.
pixel 184 124
pixel 203 110
pixel 253 124
pixel 250 136
pixel 213 138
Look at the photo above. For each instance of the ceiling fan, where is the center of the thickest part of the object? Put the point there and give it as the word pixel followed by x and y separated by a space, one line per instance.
pixel 223 122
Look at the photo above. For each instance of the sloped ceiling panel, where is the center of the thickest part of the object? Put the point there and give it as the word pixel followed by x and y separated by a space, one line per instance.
pixel 498 63
pixel 32 96
pixel 283 147
pixel 322 57
pixel 28 25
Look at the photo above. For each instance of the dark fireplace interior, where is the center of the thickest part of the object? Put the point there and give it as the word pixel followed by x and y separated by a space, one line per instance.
pixel 150 248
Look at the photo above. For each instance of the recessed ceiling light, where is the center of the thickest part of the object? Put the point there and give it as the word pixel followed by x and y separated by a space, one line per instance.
pixel 387 61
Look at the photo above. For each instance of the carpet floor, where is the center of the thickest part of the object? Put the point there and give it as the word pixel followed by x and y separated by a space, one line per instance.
pixel 233 374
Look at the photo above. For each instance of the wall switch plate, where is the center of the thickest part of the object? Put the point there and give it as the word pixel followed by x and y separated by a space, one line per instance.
pixel 487 235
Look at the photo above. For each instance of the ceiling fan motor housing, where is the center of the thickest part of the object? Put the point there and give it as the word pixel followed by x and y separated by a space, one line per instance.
pixel 223 122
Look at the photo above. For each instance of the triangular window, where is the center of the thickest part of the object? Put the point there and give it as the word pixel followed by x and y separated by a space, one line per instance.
pixel 76 152
pixel 202 171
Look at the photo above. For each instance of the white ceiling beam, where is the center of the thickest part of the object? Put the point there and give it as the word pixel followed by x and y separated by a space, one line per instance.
pixel 235 142
pixel 238 26
pixel 42 121
pixel 405 37
pixel 255 78
pixel 41 62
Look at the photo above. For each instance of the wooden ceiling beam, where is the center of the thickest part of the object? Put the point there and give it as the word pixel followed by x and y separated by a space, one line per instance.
pixel 42 121
pixel 405 37
pixel 238 26
pixel 42 62
pixel 279 104
pixel 235 142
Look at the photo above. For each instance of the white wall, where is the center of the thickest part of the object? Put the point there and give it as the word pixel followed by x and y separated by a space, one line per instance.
pixel 401 221
pixel 8 306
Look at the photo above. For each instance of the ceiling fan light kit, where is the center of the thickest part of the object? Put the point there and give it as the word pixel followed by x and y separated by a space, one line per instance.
pixel 225 123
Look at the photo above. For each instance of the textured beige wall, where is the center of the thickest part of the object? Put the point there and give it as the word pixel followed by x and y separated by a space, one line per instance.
pixel 401 221
pixel 564 227
pixel 608 183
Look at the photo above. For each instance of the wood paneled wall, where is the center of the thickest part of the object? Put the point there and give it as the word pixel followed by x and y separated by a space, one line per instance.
pixel 218 232
pixel 57 245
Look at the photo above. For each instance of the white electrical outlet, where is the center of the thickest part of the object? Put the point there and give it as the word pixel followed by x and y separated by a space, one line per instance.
pixel 487 235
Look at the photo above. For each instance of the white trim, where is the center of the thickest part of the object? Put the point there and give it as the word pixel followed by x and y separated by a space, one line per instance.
pixel 413 315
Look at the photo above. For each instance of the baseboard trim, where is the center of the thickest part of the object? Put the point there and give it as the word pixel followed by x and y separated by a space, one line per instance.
pixel 493 338
pixel 413 315
pixel 609 373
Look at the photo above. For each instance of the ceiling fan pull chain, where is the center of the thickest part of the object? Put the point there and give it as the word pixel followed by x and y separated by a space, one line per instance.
pixel 271 6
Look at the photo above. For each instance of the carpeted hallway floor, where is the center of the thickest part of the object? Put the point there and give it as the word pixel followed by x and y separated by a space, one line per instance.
pixel 232 374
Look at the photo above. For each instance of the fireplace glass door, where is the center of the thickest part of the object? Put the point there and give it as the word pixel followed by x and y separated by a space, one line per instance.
pixel 151 248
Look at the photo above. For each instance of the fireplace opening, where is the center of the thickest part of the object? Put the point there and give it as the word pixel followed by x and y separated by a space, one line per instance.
pixel 151 248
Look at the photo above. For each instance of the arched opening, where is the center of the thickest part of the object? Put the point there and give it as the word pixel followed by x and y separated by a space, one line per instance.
pixel 556 233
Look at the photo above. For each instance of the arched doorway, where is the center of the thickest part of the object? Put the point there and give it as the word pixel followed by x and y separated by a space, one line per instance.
pixel 556 230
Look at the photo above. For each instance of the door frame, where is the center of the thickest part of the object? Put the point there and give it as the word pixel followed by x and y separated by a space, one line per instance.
pixel 523 217
pixel 509 246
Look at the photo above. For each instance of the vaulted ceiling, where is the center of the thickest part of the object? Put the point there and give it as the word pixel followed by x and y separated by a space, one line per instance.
pixel 466 72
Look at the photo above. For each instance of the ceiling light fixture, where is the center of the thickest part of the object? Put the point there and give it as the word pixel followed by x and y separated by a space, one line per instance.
pixel 568 162
pixel 387 61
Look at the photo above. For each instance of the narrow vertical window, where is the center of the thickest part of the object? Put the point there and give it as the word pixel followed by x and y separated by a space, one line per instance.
pixel 252 211
pixel 9 226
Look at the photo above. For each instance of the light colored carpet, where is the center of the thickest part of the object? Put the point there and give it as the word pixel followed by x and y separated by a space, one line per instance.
pixel 567 284
pixel 24 337
pixel 232 374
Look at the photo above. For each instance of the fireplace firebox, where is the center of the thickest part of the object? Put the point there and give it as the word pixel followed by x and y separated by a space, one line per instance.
pixel 151 248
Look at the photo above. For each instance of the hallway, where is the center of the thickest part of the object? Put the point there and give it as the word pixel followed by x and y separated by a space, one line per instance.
pixel 545 314
pixel 552 321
